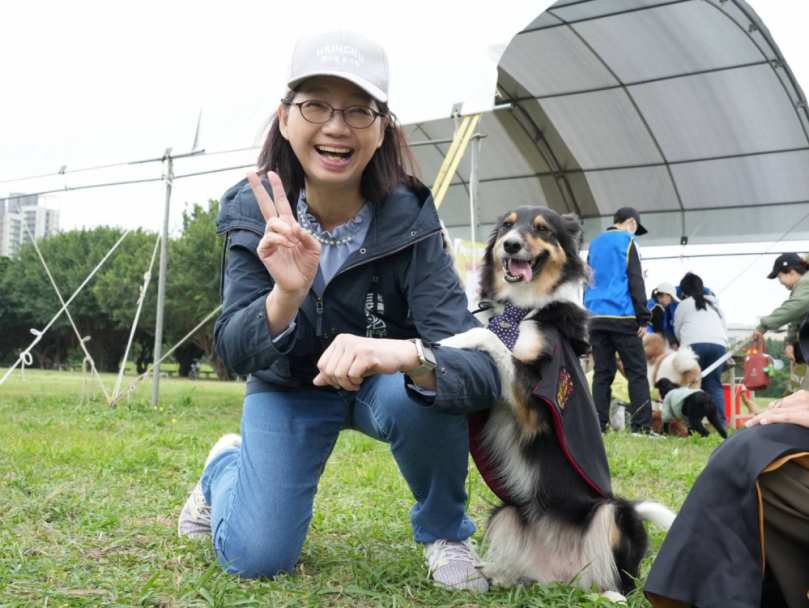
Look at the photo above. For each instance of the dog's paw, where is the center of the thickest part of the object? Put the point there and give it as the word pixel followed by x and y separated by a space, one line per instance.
pixel 614 597
pixel 495 575
pixel 476 338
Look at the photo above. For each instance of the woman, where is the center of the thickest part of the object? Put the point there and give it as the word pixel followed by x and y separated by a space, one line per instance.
pixel 790 270
pixel 323 289
pixel 700 324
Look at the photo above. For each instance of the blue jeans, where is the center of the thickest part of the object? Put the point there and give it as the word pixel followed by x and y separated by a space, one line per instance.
pixel 712 383
pixel 261 495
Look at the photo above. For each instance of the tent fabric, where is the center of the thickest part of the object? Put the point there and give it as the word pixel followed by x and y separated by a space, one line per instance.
pixel 684 109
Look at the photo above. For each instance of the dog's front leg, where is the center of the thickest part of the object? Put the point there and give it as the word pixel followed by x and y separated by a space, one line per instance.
pixel 483 340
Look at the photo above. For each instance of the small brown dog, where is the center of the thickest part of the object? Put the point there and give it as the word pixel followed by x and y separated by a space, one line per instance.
pixel 676 428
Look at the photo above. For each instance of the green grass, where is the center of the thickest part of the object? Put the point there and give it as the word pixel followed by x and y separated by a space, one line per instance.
pixel 89 499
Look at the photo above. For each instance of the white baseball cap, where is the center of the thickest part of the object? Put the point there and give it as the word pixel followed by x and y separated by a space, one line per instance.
pixel 669 289
pixel 343 54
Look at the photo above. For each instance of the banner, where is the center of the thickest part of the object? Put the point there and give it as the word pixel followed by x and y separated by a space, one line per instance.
pixel 468 256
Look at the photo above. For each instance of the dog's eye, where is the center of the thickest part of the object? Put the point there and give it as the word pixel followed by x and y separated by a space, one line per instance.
pixel 542 228
pixel 507 224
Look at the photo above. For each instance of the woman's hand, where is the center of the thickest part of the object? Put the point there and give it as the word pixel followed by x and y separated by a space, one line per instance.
pixel 757 335
pixel 793 409
pixel 789 352
pixel 290 253
pixel 351 358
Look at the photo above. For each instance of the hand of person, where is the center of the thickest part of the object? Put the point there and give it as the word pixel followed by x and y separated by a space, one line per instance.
pixel 351 358
pixel 289 252
pixel 789 352
pixel 641 331
pixel 793 409
pixel 757 335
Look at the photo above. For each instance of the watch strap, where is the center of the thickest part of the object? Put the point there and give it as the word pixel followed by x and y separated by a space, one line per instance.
pixel 426 365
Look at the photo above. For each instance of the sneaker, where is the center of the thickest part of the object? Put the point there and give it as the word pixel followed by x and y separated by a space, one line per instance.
pixel 453 565
pixel 195 518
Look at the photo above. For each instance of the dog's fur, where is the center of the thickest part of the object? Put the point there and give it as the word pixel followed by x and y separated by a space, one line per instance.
pixel 675 427
pixel 554 527
pixel 680 366
pixel 695 408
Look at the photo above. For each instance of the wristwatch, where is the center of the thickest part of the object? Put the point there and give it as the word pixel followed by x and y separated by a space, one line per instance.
pixel 426 356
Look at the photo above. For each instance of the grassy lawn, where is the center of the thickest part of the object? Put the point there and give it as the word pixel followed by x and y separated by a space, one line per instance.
pixel 89 499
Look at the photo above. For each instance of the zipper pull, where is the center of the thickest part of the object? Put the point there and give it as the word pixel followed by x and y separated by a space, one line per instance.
pixel 319 308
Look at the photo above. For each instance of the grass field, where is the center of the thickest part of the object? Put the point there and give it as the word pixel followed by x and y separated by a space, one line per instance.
pixel 89 499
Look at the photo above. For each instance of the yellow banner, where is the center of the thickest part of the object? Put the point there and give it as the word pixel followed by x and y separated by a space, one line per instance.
pixel 468 260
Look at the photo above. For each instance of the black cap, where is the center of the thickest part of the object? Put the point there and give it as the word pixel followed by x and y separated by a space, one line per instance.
pixel 785 261
pixel 624 213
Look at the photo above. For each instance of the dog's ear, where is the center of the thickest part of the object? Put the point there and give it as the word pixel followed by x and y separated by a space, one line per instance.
pixel 574 226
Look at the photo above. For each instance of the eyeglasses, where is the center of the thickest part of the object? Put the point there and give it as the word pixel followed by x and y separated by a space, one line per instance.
pixel 319 112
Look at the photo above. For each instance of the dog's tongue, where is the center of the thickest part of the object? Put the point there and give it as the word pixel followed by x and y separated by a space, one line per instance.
pixel 520 268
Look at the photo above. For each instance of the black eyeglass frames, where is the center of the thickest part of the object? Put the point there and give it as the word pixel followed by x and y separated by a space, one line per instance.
pixel 319 112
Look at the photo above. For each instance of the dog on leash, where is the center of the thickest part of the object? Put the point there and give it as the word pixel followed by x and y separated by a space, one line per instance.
pixel 688 411
pixel 540 447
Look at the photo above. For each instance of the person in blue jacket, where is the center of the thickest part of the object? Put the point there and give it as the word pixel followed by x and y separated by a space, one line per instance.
pixel 337 290
pixel 616 297
pixel 662 305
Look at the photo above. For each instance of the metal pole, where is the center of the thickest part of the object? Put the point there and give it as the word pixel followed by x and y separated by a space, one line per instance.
pixel 473 197
pixel 161 285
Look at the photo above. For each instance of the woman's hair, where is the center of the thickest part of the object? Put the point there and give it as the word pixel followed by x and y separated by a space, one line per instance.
pixel 392 165
pixel 691 286
pixel 803 268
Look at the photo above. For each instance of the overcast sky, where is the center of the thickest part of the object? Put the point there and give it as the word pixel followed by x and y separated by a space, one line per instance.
pixel 88 83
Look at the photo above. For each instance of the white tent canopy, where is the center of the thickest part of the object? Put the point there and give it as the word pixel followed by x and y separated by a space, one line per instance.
pixel 684 109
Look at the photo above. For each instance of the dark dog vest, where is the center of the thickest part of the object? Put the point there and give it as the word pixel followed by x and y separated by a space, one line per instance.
pixel 563 388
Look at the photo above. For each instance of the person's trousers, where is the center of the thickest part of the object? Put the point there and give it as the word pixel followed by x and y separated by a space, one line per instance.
pixel 785 502
pixel 261 495
pixel 712 383
pixel 630 347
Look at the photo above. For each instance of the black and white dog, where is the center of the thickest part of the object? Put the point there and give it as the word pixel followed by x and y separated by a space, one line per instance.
pixel 540 448
pixel 696 406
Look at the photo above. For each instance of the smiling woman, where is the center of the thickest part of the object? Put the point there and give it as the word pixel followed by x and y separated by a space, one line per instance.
pixel 337 290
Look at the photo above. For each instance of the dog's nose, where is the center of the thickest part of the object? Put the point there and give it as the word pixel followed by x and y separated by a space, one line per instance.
pixel 512 246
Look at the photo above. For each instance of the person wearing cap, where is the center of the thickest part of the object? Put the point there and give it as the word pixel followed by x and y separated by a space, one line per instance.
pixel 790 270
pixel 662 305
pixel 616 298
pixel 337 290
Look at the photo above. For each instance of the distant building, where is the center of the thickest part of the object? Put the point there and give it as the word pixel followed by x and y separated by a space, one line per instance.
pixel 20 211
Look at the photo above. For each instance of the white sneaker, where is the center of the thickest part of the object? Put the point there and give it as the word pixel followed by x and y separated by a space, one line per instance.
pixel 195 518
pixel 453 565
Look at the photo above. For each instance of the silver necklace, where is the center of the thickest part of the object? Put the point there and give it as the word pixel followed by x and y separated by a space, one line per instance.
pixel 319 235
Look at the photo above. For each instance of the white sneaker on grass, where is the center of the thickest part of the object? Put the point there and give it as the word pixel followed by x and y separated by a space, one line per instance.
pixel 453 565
pixel 195 518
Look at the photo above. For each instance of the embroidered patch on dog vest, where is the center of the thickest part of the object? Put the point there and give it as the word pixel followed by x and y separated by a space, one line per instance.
pixel 565 388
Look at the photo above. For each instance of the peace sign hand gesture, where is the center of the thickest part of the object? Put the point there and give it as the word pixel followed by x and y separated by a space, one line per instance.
pixel 290 253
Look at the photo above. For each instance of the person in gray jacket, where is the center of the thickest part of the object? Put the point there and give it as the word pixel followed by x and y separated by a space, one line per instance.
pixel 337 290
pixel 701 324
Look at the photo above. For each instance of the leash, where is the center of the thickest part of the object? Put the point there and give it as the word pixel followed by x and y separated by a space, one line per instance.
pixel 732 351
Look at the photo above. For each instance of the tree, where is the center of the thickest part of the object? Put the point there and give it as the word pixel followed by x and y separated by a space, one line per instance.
pixel 71 256
pixel 193 277
pixel 14 325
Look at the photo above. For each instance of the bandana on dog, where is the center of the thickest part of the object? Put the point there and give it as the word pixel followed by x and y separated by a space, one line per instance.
pixel 506 325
